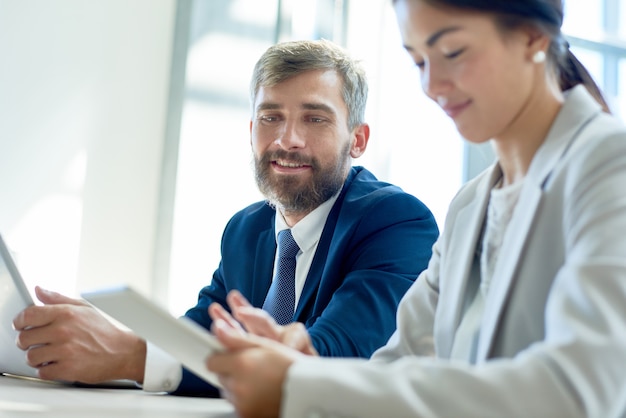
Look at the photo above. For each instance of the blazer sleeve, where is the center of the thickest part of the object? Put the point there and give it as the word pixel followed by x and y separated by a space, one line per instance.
pixel 191 384
pixel 576 370
pixel 380 256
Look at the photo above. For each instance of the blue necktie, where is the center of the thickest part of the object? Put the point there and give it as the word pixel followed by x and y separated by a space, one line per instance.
pixel 281 298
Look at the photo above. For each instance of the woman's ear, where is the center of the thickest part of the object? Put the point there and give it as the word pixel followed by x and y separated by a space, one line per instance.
pixel 537 45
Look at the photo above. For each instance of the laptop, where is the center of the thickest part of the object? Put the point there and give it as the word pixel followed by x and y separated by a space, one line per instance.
pixel 14 297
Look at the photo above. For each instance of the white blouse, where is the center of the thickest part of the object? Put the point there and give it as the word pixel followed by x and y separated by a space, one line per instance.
pixel 502 201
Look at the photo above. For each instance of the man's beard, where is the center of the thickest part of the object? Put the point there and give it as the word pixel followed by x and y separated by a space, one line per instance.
pixel 289 193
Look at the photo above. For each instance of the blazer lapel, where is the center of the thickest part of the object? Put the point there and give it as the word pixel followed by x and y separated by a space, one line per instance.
pixel 264 266
pixel 504 272
pixel 320 260
pixel 560 139
pixel 467 230
pixel 329 240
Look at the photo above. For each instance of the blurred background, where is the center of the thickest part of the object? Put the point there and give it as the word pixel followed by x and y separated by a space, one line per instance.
pixel 124 126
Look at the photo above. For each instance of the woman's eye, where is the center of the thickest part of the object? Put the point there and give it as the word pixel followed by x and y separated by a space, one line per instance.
pixel 455 54
pixel 420 64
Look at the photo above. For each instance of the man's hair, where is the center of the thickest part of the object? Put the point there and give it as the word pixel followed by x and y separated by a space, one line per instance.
pixel 288 59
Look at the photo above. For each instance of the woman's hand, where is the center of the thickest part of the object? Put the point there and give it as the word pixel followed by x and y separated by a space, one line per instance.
pixel 252 370
pixel 258 322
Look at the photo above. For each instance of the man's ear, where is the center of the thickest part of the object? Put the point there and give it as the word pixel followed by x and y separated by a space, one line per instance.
pixel 361 136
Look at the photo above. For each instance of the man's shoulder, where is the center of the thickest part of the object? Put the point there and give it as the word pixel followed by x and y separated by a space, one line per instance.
pixel 378 202
pixel 261 209
pixel 363 185
pixel 363 181
pixel 252 219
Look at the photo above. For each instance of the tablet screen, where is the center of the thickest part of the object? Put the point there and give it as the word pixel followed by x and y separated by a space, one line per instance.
pixel 182 338
pixel 14 297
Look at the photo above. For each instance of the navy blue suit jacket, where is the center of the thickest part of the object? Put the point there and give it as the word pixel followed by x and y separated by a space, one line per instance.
pixel 375 242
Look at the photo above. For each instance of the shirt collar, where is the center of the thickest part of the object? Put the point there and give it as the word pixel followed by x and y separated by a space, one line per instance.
pixel 308 230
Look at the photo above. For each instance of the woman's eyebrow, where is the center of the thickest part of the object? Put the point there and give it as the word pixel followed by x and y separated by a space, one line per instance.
pixel 432 40
pixel 437 35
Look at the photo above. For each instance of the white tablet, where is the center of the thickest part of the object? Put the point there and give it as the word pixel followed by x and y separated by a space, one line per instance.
pixel 182 338
pixel 14 297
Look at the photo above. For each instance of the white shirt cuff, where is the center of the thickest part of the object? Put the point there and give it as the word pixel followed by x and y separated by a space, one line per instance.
pixel 163 372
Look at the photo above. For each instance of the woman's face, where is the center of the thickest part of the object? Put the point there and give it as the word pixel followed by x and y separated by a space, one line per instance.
pixel 481 78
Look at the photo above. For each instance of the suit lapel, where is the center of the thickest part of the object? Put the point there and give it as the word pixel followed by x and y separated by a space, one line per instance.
pixel 320 259
pixel 504 272
pixel 515 240
pixel 461 249
pixel 566 128
pixel 329 240
pixel 264 266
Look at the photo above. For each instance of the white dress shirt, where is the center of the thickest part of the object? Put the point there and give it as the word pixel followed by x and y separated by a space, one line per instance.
pixel 163 373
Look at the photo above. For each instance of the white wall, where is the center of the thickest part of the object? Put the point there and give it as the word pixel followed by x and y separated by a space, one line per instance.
pixel 83 100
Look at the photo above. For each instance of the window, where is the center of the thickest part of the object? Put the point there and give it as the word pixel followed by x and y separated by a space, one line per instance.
pixel 96 85
pixel 413 144
pixel 599 43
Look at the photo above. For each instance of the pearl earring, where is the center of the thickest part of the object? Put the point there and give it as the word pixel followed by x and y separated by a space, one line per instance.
pixel 539 57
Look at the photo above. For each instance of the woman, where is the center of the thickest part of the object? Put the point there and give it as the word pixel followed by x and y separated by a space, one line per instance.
pixel 522 310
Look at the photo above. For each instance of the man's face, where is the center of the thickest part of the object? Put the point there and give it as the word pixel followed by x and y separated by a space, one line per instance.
pixel 301 141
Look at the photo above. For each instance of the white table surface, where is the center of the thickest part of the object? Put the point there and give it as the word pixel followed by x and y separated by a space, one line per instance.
pixel 24 398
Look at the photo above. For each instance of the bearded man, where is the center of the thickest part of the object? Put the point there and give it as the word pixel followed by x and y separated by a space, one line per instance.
pixel 360 242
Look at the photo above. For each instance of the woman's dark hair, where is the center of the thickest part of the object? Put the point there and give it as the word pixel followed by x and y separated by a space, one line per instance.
pixel 547 16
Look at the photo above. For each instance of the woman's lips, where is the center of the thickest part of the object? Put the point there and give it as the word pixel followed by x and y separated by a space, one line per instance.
pixel 453 110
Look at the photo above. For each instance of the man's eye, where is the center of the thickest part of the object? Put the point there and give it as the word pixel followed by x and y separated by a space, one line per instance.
pixel 268 118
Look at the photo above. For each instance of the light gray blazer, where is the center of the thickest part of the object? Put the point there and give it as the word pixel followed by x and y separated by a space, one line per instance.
pixel 553 335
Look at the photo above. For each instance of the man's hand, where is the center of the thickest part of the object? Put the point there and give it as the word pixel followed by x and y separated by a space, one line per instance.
pixel 257 321
pixel 68 339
